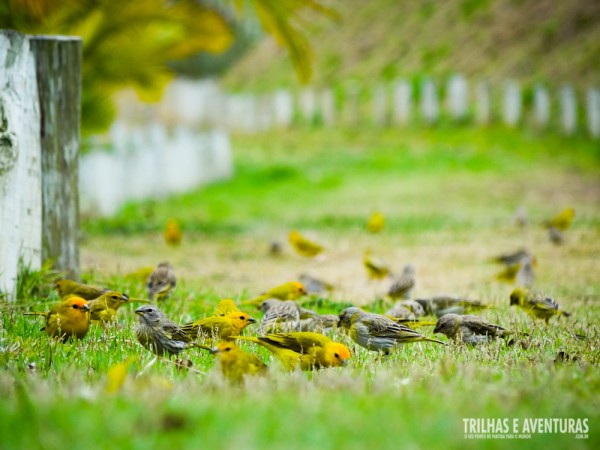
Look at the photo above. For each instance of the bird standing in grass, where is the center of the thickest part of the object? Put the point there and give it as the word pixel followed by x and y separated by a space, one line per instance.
pixel 161 282
pixel 406 309
pixel 218 327
pixel 376 222
pixel 469 329
pixel 403 285
pixel 225 306
pixel 103 310
pixel 279 316
pixel 559 224
pixel 303 246
pixel 376 332
pixel 67 320
pixel 291 290
pixel 314 285
pixel 306 350
pixel 159 334
pixel 536 305
pixel 519 268
pixel 173 233
pixel 236 363
pixel 66 288
pixel 376 268
pixel 446 304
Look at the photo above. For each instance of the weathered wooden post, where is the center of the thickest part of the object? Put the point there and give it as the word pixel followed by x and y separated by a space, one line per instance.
pixel 58 74
pixel 568 109
pixel 379 105
pixel 541 106
pixel 40 86
pixel 20 167
pixel 429 101
pixel 328 107
pixel 593 112
pixel 458 97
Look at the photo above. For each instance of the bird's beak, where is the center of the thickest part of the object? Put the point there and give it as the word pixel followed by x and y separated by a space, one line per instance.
pixel 214 350
pixel 251 320
pixel 86 307
pixel 344 362
pixel 436 330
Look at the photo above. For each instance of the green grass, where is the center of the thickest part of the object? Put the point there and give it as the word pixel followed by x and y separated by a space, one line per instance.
pixel 448 196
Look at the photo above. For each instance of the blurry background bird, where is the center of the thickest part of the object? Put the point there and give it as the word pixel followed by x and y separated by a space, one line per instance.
pixel 445 304
pixel 235 363
pixel 535 304
pixel 559 224
pixel 161 282
pixel 406 309
pixel 314 285
pixel 521 217
pixel 376 268
pixel 403 284
pixel 173 234
pixel 69 319
pixel 279 316
pixel 303 246
pixel 290 290
pixel 376 222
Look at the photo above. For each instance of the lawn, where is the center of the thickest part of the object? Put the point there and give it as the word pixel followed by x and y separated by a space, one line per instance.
pixel 448 195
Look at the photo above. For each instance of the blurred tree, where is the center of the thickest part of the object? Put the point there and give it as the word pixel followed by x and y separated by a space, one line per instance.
pixel 133 43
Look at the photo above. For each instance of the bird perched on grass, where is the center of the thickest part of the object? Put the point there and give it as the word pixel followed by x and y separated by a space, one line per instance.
pixel 376 332
pixel 161 282
pixel 103 310
pixel 67 320
pixel 402 285
pixel 173 233
pixel 535 304
pixel 559 224
pixel 376 268
pixel 446 304
pixel 406 309
pixel 159 334
pixel 225 306
pixel 303 246
pixel 519 268
pixel 291 290
pixel 376 222
pixel 235 363
pixel 306 350
pixel 218 327
pixel 279 316
pixel 469 329
pixel 66 288
pixel 314 285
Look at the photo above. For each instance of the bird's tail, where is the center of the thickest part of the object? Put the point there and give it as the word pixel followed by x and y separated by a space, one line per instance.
pixel 202 346
pixel 34 313
pixel 565 313
pixel 433 340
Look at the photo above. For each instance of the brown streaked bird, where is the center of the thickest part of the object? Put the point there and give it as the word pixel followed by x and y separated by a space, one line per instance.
pixel 535 304
pixel 67 320
pixel 279 316
pixel 376 268
pixel 403 285
pixel 469 329
pixel 314 285
pixel 161 282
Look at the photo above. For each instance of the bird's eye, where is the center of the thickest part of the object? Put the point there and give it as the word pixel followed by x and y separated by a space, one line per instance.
pixel 336 355
pixel 227 349
pixel 74 306
pixel 114 297
pixel 242 317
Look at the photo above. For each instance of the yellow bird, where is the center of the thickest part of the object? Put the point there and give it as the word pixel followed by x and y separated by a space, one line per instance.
pixel 67 320
pixel 173 233
pixel 376 268
pixel 225 306
pixel 218 327
pixel 303 246
pixel 303 349
pixel 66 288
pixel 562 221
pixel 291 290
pixel 535 304
pixel 376 222
pixel 103 310
pixel 236 363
